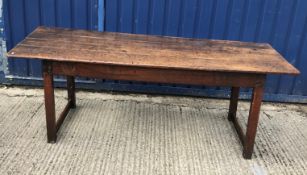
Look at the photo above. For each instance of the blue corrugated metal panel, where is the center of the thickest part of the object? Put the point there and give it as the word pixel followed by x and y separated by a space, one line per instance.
pixel 23 16
pixel 282 23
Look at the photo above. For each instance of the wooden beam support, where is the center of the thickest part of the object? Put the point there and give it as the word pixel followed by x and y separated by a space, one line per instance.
pixel 239 130
pixel 63 115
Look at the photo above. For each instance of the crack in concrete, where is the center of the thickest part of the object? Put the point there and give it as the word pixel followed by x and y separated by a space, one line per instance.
pixel 268 115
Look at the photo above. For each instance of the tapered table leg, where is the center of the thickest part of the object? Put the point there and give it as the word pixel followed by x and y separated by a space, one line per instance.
pixel 49 101
pixel 71 91
pixel 235 91
pixel 252 122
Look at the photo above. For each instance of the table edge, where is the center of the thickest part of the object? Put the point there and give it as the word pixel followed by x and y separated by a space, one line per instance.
pixel 294 73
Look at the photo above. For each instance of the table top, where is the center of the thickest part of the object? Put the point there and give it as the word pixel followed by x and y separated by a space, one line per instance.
pixel 151 51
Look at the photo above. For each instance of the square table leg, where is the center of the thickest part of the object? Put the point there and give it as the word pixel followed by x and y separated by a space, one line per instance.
pixel 252 122
pixel 71 91
pixel 49 102
pixel 235 92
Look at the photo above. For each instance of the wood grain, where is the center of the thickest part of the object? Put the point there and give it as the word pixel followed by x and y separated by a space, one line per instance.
pixel 151 51
pixel 156 75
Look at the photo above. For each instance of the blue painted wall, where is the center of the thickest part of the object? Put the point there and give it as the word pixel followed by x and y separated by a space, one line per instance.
pixel 282 23
pixel 22 16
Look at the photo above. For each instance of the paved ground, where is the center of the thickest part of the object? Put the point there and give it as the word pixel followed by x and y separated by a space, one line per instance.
pixel 139 134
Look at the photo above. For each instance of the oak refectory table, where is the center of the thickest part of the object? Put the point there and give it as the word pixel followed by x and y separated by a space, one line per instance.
pixel 156 59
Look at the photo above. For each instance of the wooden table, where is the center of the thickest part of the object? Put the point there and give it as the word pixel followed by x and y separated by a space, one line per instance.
pixel 154 59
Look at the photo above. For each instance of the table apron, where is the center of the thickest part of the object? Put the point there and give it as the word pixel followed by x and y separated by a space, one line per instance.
pixel 158 75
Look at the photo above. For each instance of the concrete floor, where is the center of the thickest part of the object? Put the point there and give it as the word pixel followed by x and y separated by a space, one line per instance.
pixel 140 134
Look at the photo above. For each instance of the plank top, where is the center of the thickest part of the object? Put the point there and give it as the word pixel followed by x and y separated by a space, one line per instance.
pixel 151 51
